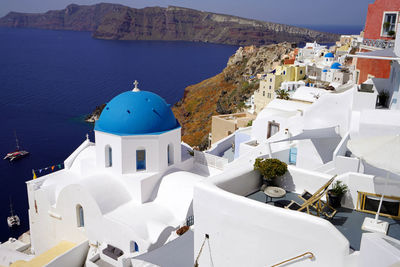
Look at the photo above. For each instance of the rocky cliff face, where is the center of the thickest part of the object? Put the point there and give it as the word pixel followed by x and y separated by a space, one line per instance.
pixel 73 17
pixel 111 21
pixel 226 92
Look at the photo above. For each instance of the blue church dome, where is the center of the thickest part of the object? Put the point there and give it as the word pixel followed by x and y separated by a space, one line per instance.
pixel 329 55
pixel 136 113
pixel 335 66
pixel 325 71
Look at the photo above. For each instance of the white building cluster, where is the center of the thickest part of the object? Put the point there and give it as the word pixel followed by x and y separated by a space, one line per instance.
pixel 313 66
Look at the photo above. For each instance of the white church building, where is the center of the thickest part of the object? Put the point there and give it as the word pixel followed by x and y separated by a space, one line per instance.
pixel 127 193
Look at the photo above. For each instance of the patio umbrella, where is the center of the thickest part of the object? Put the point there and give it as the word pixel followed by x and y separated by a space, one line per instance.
pixel 382 152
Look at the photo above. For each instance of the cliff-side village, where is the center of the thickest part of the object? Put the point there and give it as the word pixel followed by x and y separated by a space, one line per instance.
pixel 302 76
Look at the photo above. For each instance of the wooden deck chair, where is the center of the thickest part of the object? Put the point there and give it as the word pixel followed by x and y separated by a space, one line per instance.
pixel 313 202
pixel 321 206
pixel 328 211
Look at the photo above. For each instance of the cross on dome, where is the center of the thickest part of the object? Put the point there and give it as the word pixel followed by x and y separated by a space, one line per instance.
pixel 136 89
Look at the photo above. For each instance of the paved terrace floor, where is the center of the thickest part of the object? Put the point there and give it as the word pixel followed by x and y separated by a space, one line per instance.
pixel 347 221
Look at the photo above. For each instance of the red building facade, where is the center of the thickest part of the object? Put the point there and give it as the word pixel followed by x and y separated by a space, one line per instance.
pixel 382 18
pixel 380 26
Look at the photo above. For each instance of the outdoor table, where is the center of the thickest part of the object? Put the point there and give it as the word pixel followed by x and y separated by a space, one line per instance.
pixel 274 192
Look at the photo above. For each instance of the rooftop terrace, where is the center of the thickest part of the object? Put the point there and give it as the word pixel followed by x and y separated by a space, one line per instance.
pixel 347 221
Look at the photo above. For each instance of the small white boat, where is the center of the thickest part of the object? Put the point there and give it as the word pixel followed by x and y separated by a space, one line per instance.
pixel 13 220
pixel 17 153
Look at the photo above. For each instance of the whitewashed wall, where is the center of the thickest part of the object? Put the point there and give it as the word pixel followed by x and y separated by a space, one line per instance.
pixel 124 150
pixel 245 232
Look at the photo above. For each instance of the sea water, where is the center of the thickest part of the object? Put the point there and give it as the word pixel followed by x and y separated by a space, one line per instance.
pixel 49 80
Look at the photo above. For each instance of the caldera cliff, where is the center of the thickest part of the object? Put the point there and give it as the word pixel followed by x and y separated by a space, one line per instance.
pixel 113 21
pixel 226 92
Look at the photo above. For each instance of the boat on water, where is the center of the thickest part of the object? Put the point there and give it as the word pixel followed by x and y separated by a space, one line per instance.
pixel 13 219
pixel 17 154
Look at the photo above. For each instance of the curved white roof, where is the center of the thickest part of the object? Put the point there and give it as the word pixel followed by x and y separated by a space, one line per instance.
pixel 169 209
pixel 176 192
pixel 99 187
pixel 310 94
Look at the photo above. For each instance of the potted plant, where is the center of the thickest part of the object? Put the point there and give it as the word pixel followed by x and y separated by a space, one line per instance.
pixel 336 193
pixel 270 169
pixel 282 94
pixel 386 26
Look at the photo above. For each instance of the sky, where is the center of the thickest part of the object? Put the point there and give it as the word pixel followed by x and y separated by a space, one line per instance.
pixel 293 12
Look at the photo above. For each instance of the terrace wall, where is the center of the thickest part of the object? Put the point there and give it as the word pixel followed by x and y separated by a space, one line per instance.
pixel 245 232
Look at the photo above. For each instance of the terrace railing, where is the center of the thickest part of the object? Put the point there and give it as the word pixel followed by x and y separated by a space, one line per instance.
pixel 308 254
pixel 378 43
pixel 210 160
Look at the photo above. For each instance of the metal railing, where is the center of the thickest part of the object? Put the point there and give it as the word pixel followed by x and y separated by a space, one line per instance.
pixel 309 254
pixel 379 43
pixel 190 220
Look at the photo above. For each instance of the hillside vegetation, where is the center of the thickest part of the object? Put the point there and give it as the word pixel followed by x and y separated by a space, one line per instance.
pixel 226 92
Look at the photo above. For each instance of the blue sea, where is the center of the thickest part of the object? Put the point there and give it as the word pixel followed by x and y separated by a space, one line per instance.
pixel 49 80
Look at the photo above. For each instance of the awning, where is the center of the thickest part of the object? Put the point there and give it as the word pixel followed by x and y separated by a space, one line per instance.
pixel 329 132
pixel 386 54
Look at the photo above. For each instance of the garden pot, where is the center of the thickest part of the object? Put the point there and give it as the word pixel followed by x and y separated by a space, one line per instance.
pixel 382 100
pixel 334 200
pixel 268 182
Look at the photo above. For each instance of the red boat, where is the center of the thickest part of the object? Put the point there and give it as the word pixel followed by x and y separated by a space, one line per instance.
pixel 17 154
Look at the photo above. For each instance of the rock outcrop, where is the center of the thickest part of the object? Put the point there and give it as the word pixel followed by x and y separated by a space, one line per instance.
pixel 112 21
pixel 95 115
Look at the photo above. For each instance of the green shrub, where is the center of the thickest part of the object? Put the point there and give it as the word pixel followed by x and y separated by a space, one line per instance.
pixel 270 168
pixel 282 94
pixel 386 25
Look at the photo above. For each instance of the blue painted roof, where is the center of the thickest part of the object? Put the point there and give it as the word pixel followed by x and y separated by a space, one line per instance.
pixel 330 55
pixel 136 113
pixel 336 66
pixel 325 71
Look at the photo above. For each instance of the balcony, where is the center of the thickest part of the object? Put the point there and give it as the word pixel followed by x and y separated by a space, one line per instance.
pixel 377 43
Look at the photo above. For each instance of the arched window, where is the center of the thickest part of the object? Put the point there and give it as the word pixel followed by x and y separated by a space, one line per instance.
pixel 80 216
pixel 108 154
pixel 170 153
pixel 141 160
pixel 133 246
